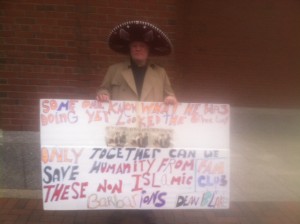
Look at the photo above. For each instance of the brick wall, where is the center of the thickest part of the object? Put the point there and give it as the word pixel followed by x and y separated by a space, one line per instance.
pixel 58 49
pixel 242 52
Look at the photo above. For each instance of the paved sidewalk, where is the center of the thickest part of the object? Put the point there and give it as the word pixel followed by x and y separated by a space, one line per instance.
pixel 29 211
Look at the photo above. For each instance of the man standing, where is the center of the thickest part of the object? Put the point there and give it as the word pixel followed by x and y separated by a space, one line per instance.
pixel 138 79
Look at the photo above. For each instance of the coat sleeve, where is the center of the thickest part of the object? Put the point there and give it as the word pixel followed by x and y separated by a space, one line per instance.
pixel 168 90
pixel 105 87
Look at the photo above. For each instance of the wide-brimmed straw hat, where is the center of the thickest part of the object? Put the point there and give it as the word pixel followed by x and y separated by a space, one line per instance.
pixel 125 33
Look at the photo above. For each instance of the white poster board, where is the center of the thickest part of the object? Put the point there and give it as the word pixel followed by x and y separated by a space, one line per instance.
pixel 134 155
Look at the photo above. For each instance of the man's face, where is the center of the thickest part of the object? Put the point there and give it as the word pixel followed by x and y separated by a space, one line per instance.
pixel 139 52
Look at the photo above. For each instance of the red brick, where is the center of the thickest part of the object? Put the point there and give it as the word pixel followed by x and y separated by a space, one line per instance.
pixel 51 218
pixel 31 204
pixel 7 33
pixel 46 7
pixel 3 201
pixel 38 82
pixel 48 21
pixel 35 41
pixel 20 95
pixel 20 212
pixel 18 88
pixel 35 216
pixel 8 47
pixel 66 22
pixel 15 41
pixel 25 20
pixel 27 6
pixel 9 108
pixel 11 203
pixel 47 89
pixel 10 115
pixel 56 43
pixel 4 218
pixel 66 8
pixel 12 127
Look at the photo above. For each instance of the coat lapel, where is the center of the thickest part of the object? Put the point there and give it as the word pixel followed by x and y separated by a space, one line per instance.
pixel 149 82
pixel 128 77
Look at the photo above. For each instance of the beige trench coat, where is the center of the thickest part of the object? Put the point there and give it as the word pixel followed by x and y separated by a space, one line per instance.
pixel 120 85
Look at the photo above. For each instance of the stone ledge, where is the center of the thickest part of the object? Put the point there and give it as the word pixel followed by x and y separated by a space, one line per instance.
pixel 20 193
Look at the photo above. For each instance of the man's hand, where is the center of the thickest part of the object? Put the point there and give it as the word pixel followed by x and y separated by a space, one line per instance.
pixel 103 97
pixel 171 100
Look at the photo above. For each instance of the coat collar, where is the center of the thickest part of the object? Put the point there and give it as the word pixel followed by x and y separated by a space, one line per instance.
pixel 149 80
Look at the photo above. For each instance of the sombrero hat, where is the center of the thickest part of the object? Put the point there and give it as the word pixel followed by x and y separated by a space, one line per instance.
pixel 123 34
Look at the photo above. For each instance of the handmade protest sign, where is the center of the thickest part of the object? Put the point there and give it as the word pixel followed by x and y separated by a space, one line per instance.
pixel 134 155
